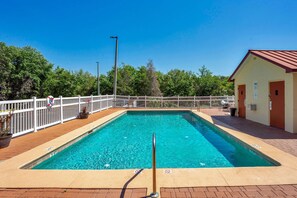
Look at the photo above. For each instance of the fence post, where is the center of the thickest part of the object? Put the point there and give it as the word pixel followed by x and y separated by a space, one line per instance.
pixel 92 104
pixel 145 101
pixel 107 99
pixel 178 101
pixel 128 103
pixel 114 101
pixel 61 109
pixel 78 104
pixel 100 97
pixel 210 102
pixel 35 113
pixel 194 101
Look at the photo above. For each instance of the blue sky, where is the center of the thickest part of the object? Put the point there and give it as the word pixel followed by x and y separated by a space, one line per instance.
pixel 174 34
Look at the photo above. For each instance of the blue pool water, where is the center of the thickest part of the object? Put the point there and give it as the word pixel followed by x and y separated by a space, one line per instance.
pixel 183 141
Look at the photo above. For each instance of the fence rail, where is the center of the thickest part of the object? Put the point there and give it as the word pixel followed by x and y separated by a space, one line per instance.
pixel 33 114
pixel 173 102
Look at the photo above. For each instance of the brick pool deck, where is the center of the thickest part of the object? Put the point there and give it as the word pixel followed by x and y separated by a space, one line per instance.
pixel 233 191
pixel 276 137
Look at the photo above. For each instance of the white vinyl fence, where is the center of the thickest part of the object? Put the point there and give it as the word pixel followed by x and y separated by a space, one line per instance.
pixel 173 101
pixel 33 114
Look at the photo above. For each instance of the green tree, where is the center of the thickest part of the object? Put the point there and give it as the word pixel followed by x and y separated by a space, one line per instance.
pixel 6 68
pixel 204 82
pixel 209 84
pixel 61 82
pixel 225 87
pixel 25 70
pixel 141 82
pixel 178 82
pixel 126 77
pixel 26 73
pixel 106 85
pixel 85 83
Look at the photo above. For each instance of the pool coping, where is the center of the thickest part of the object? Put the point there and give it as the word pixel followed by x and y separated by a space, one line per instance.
pixel 13 176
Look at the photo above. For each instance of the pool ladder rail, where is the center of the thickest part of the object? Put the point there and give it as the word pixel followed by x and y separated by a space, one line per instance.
pixel 154 194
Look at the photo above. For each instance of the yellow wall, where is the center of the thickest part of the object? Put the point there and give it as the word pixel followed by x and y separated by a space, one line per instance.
pixel 295 102
pixel 262 71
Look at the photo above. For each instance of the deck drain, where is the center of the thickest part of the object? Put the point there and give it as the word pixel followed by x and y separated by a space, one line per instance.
pixel 256 146
pixel 168 171
pixel 49 148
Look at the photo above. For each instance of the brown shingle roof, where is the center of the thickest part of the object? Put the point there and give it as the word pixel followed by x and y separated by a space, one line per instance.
pixel 286 59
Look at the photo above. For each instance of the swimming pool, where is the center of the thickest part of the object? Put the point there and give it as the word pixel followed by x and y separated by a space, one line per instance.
pixel 184 140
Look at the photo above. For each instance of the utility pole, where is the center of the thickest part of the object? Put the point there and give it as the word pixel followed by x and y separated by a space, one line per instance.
pixel 98 79
pixel 115 69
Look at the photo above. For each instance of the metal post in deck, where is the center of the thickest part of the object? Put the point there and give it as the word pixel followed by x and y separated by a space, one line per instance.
pixel 154 193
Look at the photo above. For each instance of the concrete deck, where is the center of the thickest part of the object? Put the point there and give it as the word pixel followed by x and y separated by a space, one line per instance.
pixel 188 178
pixel 73 193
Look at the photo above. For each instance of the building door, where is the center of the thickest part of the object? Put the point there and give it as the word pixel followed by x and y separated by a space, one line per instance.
pixel 241 101
pixel 277 104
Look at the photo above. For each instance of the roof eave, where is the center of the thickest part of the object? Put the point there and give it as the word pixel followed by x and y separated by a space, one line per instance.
pixel 237 68
pixel 288 70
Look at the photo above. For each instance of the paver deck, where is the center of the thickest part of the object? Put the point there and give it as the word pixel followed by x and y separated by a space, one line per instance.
pixel 278 191
pixel 276 137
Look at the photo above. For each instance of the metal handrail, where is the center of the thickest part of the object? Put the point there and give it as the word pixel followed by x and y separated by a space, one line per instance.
pixel 154 193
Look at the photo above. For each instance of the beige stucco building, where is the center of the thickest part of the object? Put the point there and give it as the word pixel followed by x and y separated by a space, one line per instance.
pixel 266 88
